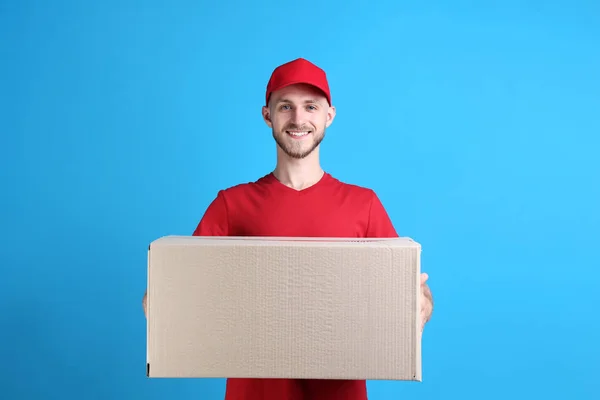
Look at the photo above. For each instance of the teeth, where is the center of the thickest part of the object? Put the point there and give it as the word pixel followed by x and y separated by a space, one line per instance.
pixel 298 133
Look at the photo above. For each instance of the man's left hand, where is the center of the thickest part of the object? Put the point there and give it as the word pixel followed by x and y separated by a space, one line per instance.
pixel 426 301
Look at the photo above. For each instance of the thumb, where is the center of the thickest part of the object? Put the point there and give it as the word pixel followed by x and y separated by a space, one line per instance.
pixel 424 278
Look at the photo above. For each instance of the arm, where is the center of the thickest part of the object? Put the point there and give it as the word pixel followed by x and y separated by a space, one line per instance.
pixel 214 222
pixel 380 225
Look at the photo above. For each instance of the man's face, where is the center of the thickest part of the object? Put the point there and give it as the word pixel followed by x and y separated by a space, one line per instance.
pixel 298 116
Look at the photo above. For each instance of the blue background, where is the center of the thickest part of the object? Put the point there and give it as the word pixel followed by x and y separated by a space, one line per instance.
pixel 476 124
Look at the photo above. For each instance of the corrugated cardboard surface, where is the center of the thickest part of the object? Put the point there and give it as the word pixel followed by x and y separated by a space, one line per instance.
pixel 284 308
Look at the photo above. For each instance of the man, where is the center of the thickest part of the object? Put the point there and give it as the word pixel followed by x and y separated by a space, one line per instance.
pixel 299 199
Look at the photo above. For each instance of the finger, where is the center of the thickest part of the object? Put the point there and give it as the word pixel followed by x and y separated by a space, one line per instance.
pixel 426 292
pixel 424 278
pixel 425 310
pixel 426 313
pixel 426 306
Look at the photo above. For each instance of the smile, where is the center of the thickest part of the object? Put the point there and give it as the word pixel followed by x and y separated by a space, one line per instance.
pixel 298 133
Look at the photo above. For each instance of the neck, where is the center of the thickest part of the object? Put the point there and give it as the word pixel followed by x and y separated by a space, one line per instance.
pixel 298 174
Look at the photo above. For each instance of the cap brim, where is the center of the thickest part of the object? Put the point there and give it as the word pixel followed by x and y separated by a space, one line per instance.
pixel 297 83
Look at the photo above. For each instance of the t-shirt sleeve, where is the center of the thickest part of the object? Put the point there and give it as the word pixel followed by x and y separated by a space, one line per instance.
pixel 215 221
pixel 380 225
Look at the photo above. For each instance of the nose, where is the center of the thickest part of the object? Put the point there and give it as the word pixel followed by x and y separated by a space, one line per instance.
pixel 298 116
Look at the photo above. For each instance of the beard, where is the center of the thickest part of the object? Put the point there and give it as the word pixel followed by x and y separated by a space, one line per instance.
pixel 298 148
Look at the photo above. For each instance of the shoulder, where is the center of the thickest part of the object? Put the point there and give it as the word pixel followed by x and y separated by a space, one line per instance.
pixel 245 189
pixel 250 185
pixel 352 189
pixel 366 202
pixel 220 214
pixel 360 196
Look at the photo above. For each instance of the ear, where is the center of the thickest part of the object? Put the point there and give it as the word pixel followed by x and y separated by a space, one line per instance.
pixel 266 113
pixel 330 116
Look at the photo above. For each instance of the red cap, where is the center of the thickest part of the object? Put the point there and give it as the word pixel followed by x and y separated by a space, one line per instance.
pixel 298 71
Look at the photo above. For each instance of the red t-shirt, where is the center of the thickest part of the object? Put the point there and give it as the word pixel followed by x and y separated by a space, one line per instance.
pixel 329 208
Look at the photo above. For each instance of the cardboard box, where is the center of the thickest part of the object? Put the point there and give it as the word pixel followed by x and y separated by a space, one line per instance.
pixel 313 308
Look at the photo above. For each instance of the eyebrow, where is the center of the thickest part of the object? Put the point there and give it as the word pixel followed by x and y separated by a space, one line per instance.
pixel 305 101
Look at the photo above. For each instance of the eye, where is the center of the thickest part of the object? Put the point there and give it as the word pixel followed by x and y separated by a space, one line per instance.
pixel 312 107
pixel 284 107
